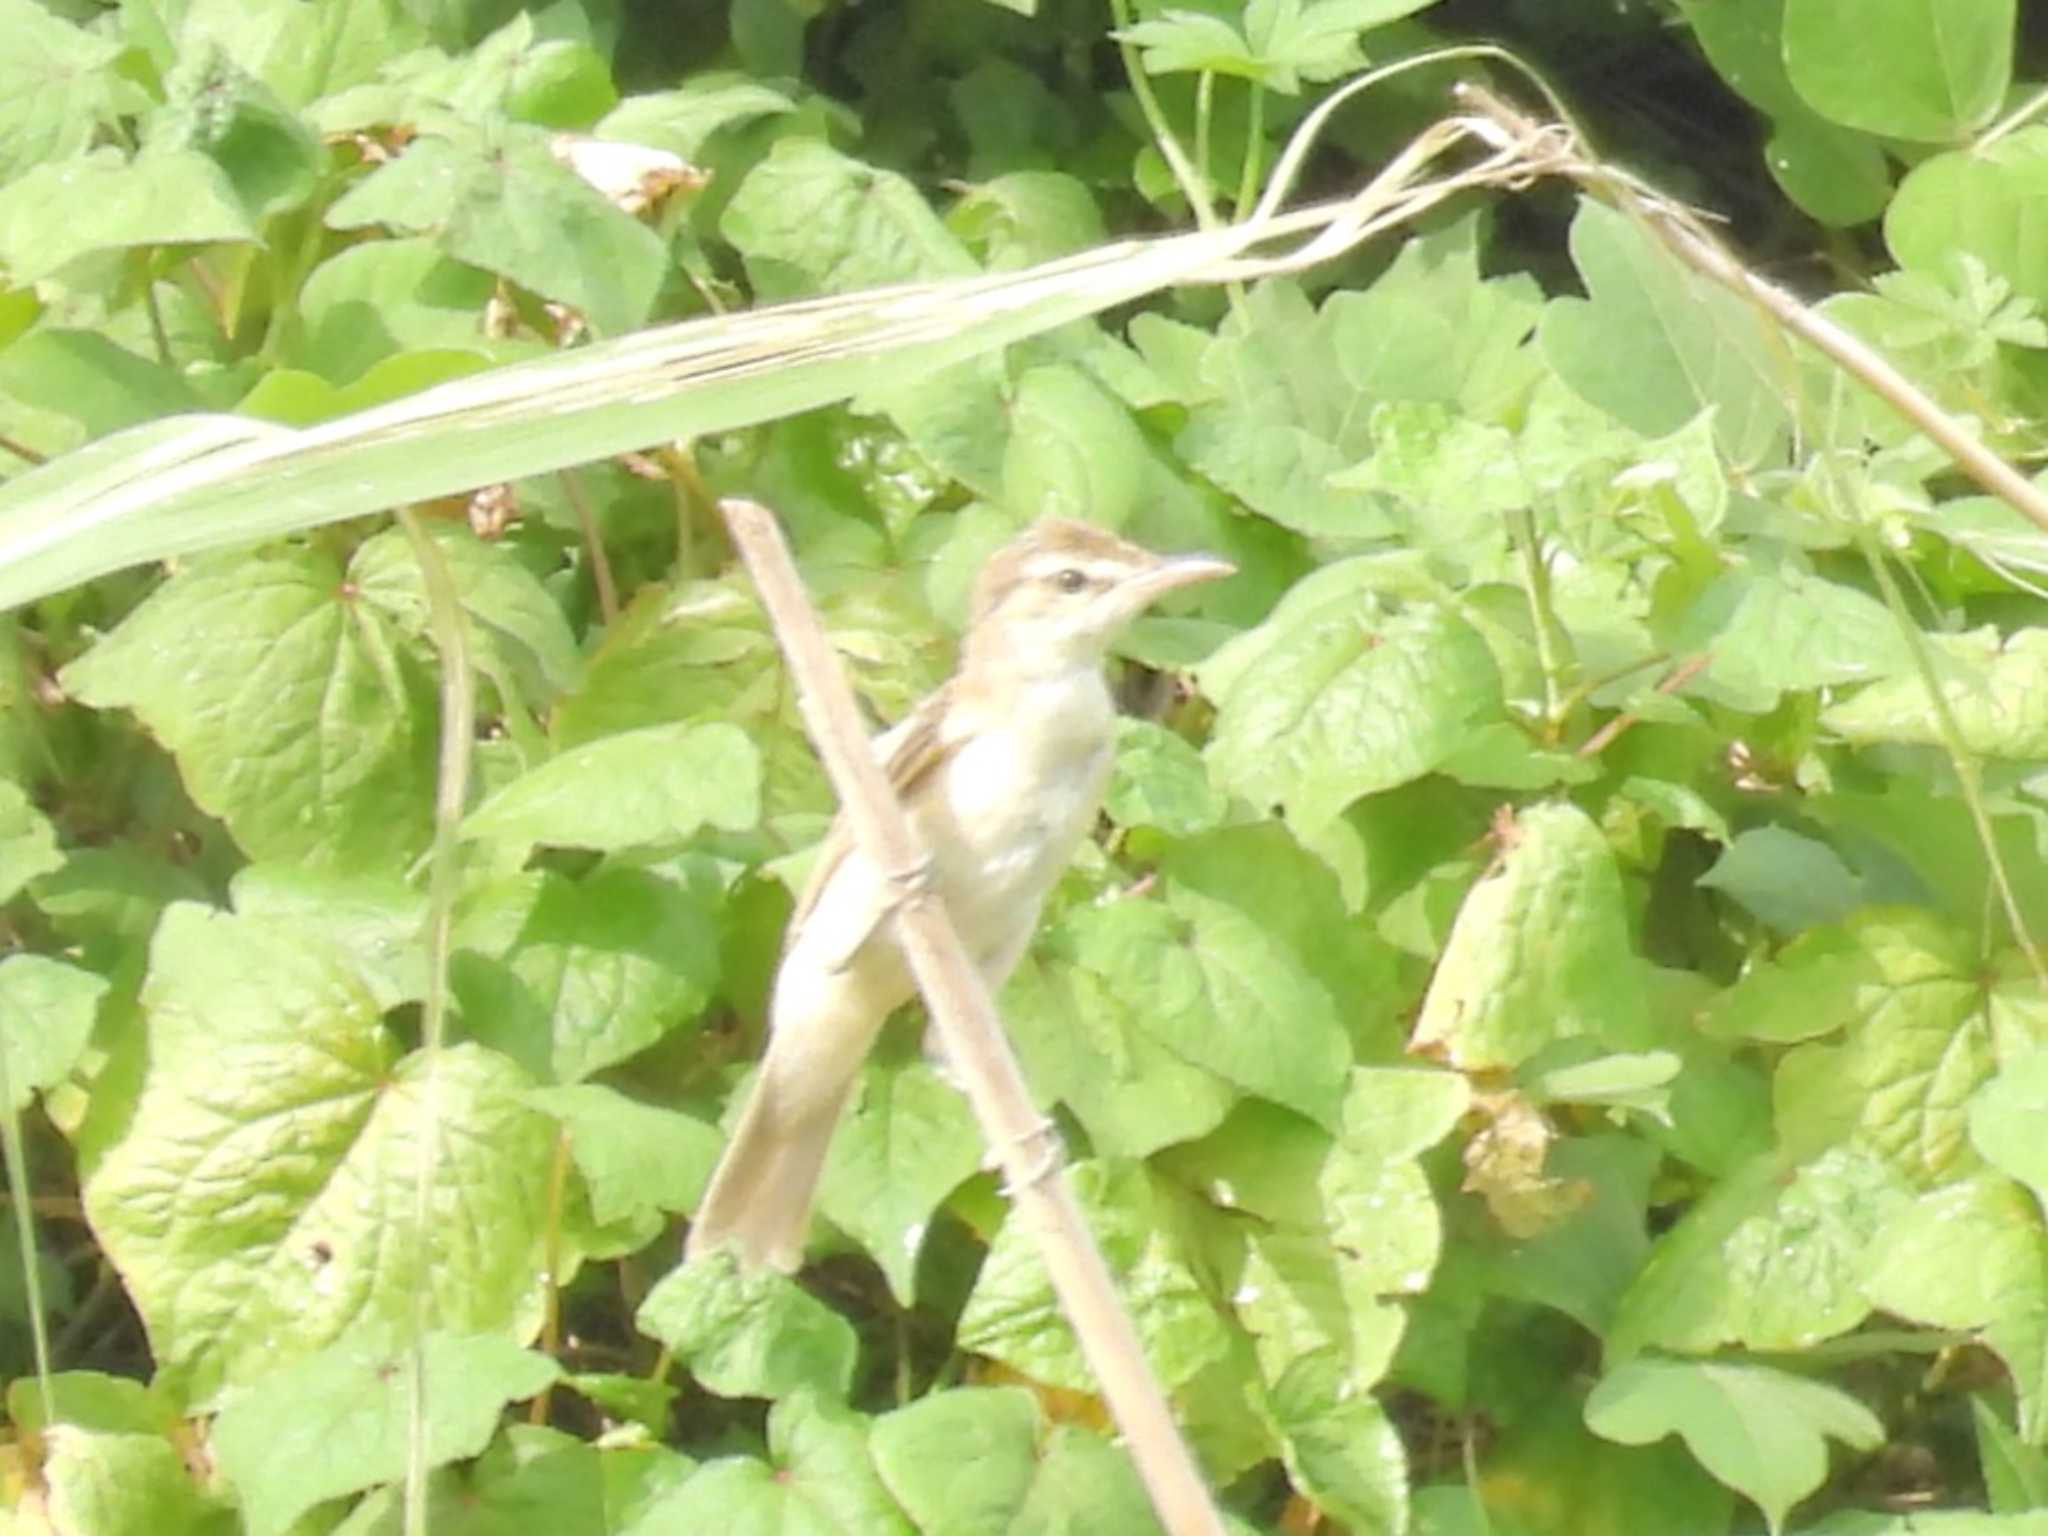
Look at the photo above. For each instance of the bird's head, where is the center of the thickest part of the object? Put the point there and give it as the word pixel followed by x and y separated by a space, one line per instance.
pixel 1056 594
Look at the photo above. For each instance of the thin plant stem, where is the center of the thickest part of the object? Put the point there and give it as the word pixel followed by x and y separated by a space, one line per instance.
pixel 451 794
pixel 551 1320
pixel 25 1233
pixel 1192 185
pixel 593 547
pixel 1254 151
pixel 2018 118
pixel 1536 586
pixel 1205 107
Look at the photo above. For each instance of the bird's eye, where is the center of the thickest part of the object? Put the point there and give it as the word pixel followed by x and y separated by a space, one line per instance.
pixel 1072 579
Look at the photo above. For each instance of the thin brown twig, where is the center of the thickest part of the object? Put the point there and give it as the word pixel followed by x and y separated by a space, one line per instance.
pixel 975 1046
pixel 1671 682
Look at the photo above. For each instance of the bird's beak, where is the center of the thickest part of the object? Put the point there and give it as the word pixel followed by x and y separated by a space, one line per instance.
pixel 1172 571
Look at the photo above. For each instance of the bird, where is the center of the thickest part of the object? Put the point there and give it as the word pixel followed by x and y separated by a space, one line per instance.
pixel 1002 770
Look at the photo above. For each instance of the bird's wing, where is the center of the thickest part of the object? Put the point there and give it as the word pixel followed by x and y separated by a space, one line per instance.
pixel 911 751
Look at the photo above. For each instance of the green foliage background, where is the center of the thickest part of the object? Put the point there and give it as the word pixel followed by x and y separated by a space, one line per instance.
pixel 1553 1032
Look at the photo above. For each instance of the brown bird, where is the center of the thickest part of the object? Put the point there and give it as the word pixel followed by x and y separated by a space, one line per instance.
pixel 1002 770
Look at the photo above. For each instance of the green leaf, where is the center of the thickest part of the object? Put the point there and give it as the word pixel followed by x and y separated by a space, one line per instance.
pixel 28 843
pixel 907 1141
pixel 1909 69
pixel 1085 1041
pixel 1327 700
pixel 293 711
pixel 58 86
pixel 337 1421
pixel 2005 1119
pixel 122 1485
pixel 271 158
pixel 1996 689
pixel 1278 416
pixel 1073 450
pixel 1540 951
pixel 46 1017
pixel 680 120
pixel 1431 330
pixel 1159 781
pixel 821 1482
pixel 1785 880
pixel 1762 1432
pixel 1223 993
pixel 962 1460
pixel 749 1334
pixel 518 634
pixel 1770 628
pixel 634 1157
pixel 1809 988
pixel 1143 1228
pixel 661 784
pixel 1765 1261
pixel 1654 345
pixel 2015 1473
pixel 258 1204
pixel 600 969
pixel 810 220
pixel 1979 202
pixel 379 921
pixel 498 199
pixel 382 297
pixel 101 201
pixel 99 384
pixel 1342 1452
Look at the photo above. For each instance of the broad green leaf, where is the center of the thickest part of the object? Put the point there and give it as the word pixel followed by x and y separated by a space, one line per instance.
pixel 99 384
pixel 1278 417
pixel 378 921
pixel 46 1017
pixel 660 784
pixel 1333 698
pixel 1455 479
pixel 1835 174
pixel 1540 951
pixel 1159 781
pixel 1073 451
pixel 1811 987
pixel 1341 1451
pixel 907 1141
pixel 599 969
pixel 1223 993
pixel 1026 216
pixel 1909 69
pixel 92 1400
pixel 271 158
pixel 2006 1118
pixel 1146 1231
pixel 520 639
pixel 1769 628
pixel 1432 330
pixel 1996 689
pixel 2015 1473
pixel 1785 880
pixel 337 1421
pixel 680 120
pixel 749 1334
pixel 634 1157
pixel 1762 1432
pixel 259 1203
pixel 961 1460
pixel 57 87
pixel 1763 1261
pixel 820 1481
pixel 295 713
pixel 1584 1263
pixel 122 1485
pixel 1654 345
pixel 811 220
pixel 497 198
pixel 1085 1041
pixel 100 201
pixel 28 843
pixel 383 297
pixel 1981 202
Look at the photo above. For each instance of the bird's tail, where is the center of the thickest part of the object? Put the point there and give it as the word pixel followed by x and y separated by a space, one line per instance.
pixel 760 1196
